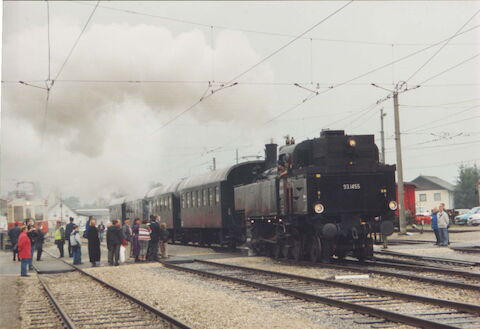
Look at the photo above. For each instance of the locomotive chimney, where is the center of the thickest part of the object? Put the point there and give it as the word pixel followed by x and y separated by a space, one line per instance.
pixel 270 156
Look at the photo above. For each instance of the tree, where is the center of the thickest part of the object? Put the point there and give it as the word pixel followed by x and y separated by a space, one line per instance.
pixel 466 194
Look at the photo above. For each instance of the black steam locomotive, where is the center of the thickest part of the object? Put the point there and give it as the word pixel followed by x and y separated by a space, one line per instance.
pixel 324 197
pixel 319 198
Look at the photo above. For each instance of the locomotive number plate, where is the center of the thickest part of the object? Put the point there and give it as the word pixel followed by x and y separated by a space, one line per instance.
pixel 351 186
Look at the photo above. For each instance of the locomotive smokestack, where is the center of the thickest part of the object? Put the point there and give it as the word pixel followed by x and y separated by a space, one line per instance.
pixel 270 156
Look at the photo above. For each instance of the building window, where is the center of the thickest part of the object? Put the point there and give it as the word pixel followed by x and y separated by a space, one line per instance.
pixel 437 196
pixel 422 197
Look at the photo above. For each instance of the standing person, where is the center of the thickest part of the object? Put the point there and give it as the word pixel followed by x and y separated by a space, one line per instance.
pixel 135 241
pixel 154 239
pixel 93 243
pixel 32 235
pixel 24 251
pixel 435 226
pixel 163 240
pixel 127 233
pixel 39 242
pixel 68 232
pixel 114 241
pixel 76 244
pixel 443 220
pixel 59 237
pixel 143 239
pixel 87 227
pixel 101 231
pixel 13 234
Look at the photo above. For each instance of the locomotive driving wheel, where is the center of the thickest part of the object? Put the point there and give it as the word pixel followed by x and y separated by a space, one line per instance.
pixel 297 250
pixel 277 250
pixel 315 250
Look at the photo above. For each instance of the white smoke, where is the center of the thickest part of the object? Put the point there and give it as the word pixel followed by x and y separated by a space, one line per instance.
pixel 79 113
pixel 93 138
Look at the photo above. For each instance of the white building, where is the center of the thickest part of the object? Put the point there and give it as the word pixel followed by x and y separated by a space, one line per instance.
pixel 60 211
pixel 431 191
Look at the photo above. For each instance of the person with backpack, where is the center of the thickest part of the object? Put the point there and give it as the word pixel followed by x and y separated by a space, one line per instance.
pixel 59 237
pixel 76 244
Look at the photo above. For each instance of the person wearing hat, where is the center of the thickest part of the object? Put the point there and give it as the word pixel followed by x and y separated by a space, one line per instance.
pixel 59 237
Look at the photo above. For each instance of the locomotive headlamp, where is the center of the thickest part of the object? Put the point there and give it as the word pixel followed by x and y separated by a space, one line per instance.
pixel 392 205
pixel 352 142
pixel 318 208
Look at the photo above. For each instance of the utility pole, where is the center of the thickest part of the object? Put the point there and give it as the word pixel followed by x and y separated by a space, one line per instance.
pixel 214 165
pixel 398 149
pixel 236 154
pixel 382 134
pixel 399 88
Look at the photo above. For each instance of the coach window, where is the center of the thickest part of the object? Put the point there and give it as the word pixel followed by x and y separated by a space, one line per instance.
pixel 183 200
pixel 205 197
pixel 210 196
pixel 170 202
pixel 200 200
pixel 194 197
pixel 217 195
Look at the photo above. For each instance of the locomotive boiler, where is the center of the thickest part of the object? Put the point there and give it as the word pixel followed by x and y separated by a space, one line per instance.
pixel 320 198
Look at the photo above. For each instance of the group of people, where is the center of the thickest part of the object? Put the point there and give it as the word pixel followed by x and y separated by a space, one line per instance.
pixel 440 224
pixel 25 240
pixel 140 241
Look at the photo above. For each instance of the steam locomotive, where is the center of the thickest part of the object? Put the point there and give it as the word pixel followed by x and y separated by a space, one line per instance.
pixel 319 198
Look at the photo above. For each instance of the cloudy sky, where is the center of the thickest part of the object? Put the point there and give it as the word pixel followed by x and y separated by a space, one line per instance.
pixel 120 114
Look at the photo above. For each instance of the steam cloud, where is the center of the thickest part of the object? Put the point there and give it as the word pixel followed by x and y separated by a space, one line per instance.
pixel 80 114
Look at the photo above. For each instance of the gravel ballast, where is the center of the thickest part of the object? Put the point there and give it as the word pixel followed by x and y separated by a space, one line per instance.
pixel 375 280
pixel 185 298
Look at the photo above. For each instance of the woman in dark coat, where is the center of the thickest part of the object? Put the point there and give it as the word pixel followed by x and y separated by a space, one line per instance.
pixel 93 243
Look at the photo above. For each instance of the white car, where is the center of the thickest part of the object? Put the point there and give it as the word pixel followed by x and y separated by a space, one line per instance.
pixel 474 220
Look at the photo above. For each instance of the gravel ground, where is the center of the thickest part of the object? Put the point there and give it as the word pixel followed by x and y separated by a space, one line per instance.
pixel 198 302
pixel 35 310
pixel 375 281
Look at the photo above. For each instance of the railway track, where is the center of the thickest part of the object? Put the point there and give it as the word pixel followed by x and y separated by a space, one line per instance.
pixel 473 249
pixel 81 300
pixel 434 275
pixel 398 257
pixel 381 304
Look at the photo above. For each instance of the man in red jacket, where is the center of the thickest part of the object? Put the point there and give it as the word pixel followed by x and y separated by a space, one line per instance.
pixel 24 251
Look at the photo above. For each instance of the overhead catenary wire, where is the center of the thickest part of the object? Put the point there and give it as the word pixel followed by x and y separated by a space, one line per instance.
pixel 267 33
pixel 233 82
pixel 48 39
pixel 370 72
pixel 442 46
pixel 76 41
pixel 450 68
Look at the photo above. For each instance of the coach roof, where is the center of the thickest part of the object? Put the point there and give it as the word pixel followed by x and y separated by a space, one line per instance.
pixel 212 177
pixel 163 189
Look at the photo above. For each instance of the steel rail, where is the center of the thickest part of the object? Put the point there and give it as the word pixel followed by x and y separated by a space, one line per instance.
pixel 144 305
pixel 64 316
pixel 475 309
pixel 427 258
pixel 391 316
pixel 436 281
pixel 474 249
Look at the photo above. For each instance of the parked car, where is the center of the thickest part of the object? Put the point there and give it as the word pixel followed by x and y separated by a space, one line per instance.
pixel 462 219
pixel 474 219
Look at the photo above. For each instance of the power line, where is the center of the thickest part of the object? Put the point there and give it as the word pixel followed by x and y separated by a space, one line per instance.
pixel 442 118
pixel 232 82
pixel 443 46
pixel 275 34
pixel 369 72
pixel 289 43
pixel 445 164
pixel 77 40
pixel 451 68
